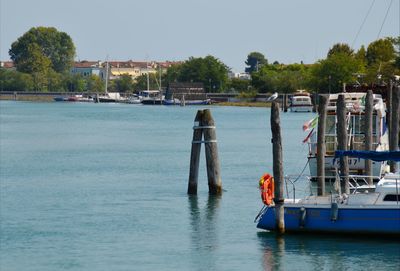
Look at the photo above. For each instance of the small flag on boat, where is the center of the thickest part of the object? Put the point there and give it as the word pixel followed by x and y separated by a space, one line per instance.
pixel 308 136
pixel 310 124
pixel 357 105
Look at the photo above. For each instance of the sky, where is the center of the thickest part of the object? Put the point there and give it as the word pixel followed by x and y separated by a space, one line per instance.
pixel 287 31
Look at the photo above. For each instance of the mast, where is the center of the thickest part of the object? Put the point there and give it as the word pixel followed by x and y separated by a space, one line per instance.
pixel 147 73
pixel 106 77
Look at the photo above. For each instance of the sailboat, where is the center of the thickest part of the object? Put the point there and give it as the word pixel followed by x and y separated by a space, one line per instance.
pixel 109 97
pixel 152 97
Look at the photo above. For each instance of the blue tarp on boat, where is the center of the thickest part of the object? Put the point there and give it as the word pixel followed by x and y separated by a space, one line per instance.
pixel 378 156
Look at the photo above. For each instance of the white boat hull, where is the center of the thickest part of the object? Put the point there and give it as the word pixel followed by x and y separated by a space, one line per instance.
pixel 301 108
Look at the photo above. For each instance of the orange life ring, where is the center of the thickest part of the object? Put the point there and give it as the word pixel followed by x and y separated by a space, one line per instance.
pixel 267 188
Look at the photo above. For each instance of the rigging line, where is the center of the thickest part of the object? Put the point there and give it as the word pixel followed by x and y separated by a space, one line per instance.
pixel 384 19
pixel 362 24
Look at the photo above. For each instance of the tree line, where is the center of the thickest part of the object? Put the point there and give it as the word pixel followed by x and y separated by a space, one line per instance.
pixel 43 58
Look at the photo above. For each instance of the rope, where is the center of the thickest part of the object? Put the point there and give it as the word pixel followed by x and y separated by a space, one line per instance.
pixel 265 207
pixel 384 19
pixel 362 25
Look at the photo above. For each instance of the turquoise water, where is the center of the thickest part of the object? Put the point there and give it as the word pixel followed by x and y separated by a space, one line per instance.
pixel 103 187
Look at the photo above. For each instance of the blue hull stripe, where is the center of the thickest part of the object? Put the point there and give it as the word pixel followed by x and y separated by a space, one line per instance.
pixel 380 221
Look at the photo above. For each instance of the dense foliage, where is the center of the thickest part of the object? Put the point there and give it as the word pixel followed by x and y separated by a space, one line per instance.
pixel 254 61
pixel 208 70
pixel 375 65
pixel 41 49
pixel 43 58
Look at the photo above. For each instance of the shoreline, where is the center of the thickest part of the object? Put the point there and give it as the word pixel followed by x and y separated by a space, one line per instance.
pixel 50 98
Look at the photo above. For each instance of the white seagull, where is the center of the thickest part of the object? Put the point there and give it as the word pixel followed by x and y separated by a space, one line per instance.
pixel 272 97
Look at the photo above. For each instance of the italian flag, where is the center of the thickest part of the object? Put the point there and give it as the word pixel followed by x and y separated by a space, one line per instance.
pixel 310 124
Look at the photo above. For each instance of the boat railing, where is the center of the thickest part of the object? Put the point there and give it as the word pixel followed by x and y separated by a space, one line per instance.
pixel 290 184
pixel 357 184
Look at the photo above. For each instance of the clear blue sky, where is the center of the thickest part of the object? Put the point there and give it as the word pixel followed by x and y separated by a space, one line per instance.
pixel 288 31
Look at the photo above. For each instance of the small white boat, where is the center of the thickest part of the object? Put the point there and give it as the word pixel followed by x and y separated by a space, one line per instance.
pixel 301 102
pixel 135 99
pixel 151 97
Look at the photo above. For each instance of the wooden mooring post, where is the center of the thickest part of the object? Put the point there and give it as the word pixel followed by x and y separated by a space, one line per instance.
pixel 369 103
pixel 341 113
pixel 277 167
pixel 195 154
pixel 321 148
pixel 204 125
pixel 394 127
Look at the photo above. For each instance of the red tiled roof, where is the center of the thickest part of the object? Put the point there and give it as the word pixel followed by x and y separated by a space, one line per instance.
pixel 7 64
pixel 86 64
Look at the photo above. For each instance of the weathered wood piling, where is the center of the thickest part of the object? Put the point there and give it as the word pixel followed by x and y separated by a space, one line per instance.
pixel 195 154
pixel 321 148
pixel 389 107
pixel 369 103
pixel 204 125
pixel 212 160
pixel 285 102
pixel 394 127
pixel 277 167
pixel 341 113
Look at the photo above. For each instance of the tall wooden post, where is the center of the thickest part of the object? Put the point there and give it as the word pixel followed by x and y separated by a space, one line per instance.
pixel 321 148
pixel 369 105
pixel 277 167
pixel 389 105
pixel 342 141
pixel 394 131
pixel 285 102
pixel 195 154
pixel 210 139
pixel 315 102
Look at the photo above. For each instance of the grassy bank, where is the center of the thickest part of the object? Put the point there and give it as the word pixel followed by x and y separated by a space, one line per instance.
pixel 247 104
pixel 27 98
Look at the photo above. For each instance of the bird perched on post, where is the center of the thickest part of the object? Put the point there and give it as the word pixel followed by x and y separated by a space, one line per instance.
pixel 272 97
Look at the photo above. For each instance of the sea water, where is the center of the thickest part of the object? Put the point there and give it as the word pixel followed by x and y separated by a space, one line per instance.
pixel 103 187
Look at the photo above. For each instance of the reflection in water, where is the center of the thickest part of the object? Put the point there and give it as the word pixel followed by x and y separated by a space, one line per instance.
pixel 327 252
pixel 204 232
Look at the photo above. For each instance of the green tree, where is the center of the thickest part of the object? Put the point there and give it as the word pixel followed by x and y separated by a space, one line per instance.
pixel 280 78
pixel 341 48
pixel 57 47
pixel 172 74
pixel 141 82
pixel 11 80
pixel 55 82
pixel 330 74
pixel 254 61
pixel 209 70
pixel 380 51
pixel 74 83
pixel 124 83
pixel 95 84
pixel 238 85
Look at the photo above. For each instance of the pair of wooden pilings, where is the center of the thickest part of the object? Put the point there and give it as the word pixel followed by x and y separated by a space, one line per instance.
pixel 342 138
pixel 204 125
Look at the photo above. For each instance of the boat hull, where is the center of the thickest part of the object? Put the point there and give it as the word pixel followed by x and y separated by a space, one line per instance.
pixel 355 220
pixel 188 102
pixel 301 108
pixel 152 102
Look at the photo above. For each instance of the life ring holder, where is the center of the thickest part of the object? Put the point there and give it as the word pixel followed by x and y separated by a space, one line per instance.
pixel 267 189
